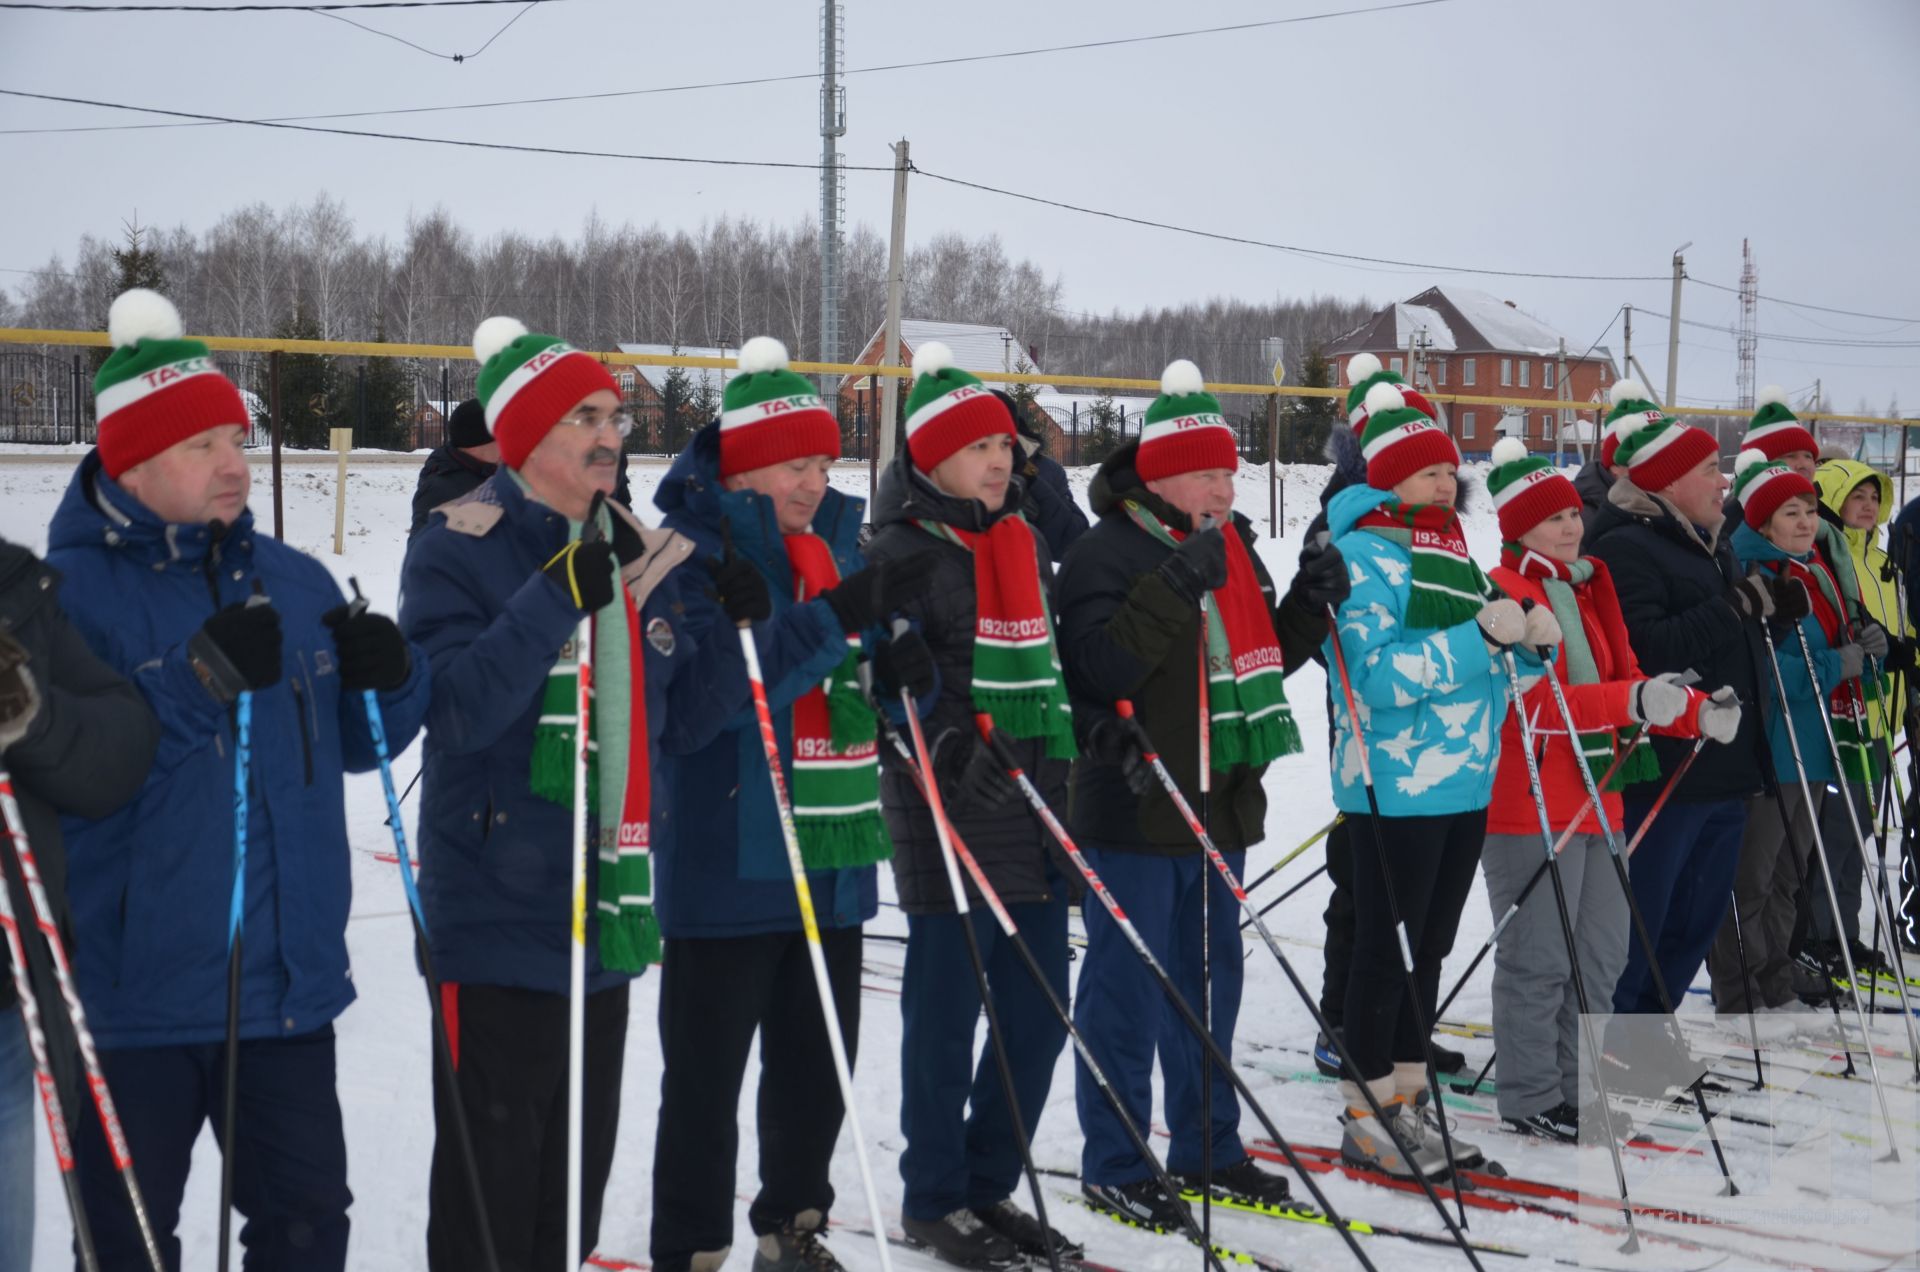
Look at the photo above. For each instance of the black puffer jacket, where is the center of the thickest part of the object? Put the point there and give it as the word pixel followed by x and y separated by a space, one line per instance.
pixel 86 752
pixel 448 474
pixel 1125 634
pixel 1675 590
pixel 1592 483
pixel 1010 844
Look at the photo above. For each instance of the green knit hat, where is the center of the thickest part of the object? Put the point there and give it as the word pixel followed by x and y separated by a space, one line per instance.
pixel 1363 372
pixel 1526 488
pixel 1776 430
pixel 770 413
pixel 948 408
pixel 156 388
pixel 1630 407
pixel 1399 440
pixel 1183 430
pixel 1762 483
pixel 528 382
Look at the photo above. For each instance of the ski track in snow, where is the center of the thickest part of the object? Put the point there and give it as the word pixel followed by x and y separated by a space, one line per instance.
pixel 385 1057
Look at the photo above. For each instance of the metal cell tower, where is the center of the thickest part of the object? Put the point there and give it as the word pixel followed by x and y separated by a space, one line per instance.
pixel 833 189
pixel 1748 341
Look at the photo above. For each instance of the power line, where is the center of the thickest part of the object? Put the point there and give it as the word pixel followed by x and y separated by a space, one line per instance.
pixel 1801 304
pixel 446 141
pixel 45 7
pixel 757 80
pixel 1293 249
pixel 1779 337
pixel 450 57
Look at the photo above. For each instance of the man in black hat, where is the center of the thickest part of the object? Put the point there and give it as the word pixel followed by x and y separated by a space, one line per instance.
pixel 468 458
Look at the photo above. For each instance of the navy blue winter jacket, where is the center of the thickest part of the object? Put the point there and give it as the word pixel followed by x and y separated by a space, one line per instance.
pixel 496 859
pixel 150 884
pixel 721 862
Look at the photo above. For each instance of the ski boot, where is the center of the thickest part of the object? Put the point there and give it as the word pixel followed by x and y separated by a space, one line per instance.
pixel 960 1238
pixel 1325 1058
pixel 1561 1124
pixel 1143 1204
pixel 1366 1144
pixel 797 1247
pixel 1028 1235
pixel 1244 1181
pixel 1466 1154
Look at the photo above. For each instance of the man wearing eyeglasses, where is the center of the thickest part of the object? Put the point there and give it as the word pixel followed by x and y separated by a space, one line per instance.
pixel 495 590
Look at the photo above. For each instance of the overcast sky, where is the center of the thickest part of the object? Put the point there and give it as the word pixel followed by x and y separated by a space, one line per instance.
pixel 1556 136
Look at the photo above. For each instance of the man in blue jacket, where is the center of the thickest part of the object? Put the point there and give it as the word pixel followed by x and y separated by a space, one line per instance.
pixel 169 584
pixel 495 591
pixel 755 482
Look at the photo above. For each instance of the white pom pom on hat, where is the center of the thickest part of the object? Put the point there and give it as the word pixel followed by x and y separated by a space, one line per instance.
pixel 495 334
pixel 1181 378
pixel 1772 395
pixel 763 353
pixel 1384 397
pixel 1509 449
pixel 1626 391
pixel 140 314
pixel 1749 457
pixel 932 358
pixel 1362 366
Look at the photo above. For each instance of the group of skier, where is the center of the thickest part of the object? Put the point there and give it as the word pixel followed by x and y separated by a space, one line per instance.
pixel 782 693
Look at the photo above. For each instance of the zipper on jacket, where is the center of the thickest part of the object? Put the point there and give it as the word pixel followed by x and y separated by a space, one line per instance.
pixel 300 727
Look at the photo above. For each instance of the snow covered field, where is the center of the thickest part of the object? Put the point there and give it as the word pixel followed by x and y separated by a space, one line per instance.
pixel 385 1056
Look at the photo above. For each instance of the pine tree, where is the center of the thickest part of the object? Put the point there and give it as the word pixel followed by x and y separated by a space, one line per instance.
pixel 676 394
pixel 388 395
pixel 1103 436
pixel 135 265
pixel 1306 422
pixel 310 398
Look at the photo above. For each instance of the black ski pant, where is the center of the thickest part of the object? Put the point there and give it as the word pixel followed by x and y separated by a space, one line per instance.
pixel 716 993
pixel 510 1052
pixel 1339 917
pixel 1432 861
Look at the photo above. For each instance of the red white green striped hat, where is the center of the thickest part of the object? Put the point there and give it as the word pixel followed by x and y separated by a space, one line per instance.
pixel 1776 431
pixel 1762 483
pixel 1526 488
pixel 528 382
pixel 948 408
pixel 1363 372
pixel 770 414
pixel 1400 440
pixel 1183 431
pixel 1659 450
pixel 1630 408
pixel 156 388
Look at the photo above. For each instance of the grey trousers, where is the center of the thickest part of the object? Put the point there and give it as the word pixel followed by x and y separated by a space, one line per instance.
pixel 1536 1014
pixel 1765 892
pixel 1843 855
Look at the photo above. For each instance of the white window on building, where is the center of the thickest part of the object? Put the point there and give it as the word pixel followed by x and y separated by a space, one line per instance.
pixel 1546 375
pixel 1439 366
pixel 1526 374
pixel 1506 372
pixel 1546 425
pixel 1467 367
pixel 625 380
pixel 1466 419
pixel 1333 370
pixel 1397 366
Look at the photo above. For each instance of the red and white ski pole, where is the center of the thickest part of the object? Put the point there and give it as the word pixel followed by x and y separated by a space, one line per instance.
pixel 89 1056
pixel 803 894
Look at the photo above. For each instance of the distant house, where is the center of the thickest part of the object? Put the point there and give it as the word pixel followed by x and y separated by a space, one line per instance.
pixel 645 386
pixel 977 347
pixel 1457 340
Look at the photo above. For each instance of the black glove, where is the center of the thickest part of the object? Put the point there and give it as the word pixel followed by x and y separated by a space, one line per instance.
pixel 1198 565
pixel 19 699
pixel 1790 601
pixel 1117 740
pixel 971 777
pixel 740 588
pixel 866 596
pixel 373 653
pixel 905 662
pixel 1322 579
pixel 1752 596
pixel 584 572
pixel 628 546
pixel 237 649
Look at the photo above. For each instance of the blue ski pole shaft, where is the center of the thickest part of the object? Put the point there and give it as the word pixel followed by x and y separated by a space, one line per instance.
pixel 236 913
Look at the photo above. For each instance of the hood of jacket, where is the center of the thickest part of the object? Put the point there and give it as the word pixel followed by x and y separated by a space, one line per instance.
pixel 97 512
pixel 1592 483
pixel 692 490
pixel 1350 505
pixel 907 494
pixel 1628 500
pixel 1750 546
pixel 1116 481
pixel 1835 479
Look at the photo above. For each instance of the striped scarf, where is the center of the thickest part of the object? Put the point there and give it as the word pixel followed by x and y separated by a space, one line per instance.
pixel 1566 587
pixel 619 779
pixel 1016 666
pixel 836 762
pixel 1858 763
pixel 1448 588
pixel 1248 719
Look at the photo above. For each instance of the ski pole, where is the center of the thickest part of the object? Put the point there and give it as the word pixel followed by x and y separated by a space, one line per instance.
pixel 1411 988
pixel 1552 863
pixel 1004 918
pixel 442 1045
pixel 1205 725
pixel 236 910
pixel 1287 860
pixel 1183 1008
pixel 1853 822
pixel 1533 881
pixel 1219 863
pixel 945 832
pixel 1599 806
pixel 803 896
pixel 1826 875
pixel 1315 873
pixel 49 1088
pixel 96 1076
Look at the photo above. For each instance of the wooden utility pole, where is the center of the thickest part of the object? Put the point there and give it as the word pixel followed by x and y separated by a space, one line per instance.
pixel 885 426
pixel 1673 329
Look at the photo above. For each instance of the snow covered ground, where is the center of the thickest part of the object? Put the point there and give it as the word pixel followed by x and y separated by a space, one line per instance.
pixel 385 1056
